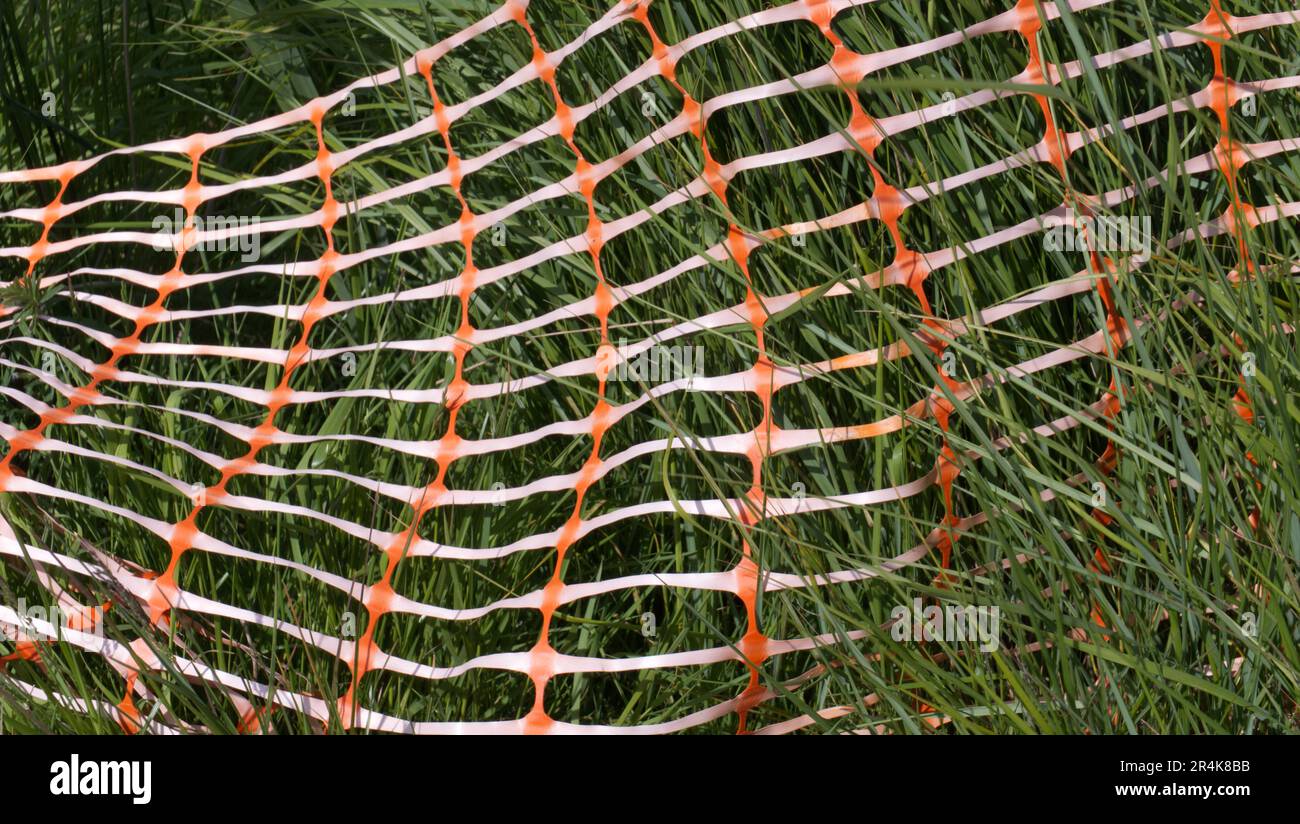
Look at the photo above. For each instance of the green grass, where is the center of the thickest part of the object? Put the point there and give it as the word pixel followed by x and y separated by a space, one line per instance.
pixel 1186 566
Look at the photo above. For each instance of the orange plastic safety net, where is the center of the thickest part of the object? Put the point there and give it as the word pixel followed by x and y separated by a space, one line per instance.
pixel 160 590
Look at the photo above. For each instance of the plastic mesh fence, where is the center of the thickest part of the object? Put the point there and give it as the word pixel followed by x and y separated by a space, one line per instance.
pixel 251 435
